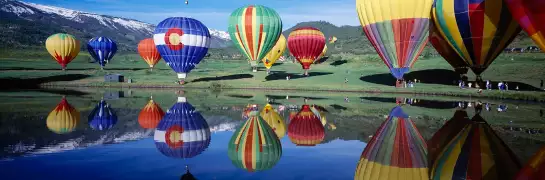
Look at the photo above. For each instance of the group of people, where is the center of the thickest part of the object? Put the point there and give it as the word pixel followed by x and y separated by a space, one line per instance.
pixel 479 106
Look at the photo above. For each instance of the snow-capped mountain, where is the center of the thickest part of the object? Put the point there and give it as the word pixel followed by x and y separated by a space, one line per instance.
pixel 29 24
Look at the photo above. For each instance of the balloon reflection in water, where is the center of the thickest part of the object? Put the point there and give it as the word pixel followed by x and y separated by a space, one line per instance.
pixel 102 117
pixel 63 119
pixel 535 169
pixel 305 129
pixel 476 153
pixel 183 132
pixel 397 151
pixel 447 132
pixel 150 115
pixel 254 146
pixel 274 120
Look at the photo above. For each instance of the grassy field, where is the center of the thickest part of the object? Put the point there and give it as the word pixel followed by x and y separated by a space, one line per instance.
pixel 363 72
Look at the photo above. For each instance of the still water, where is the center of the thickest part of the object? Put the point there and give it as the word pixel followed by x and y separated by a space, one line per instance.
pixel 161 134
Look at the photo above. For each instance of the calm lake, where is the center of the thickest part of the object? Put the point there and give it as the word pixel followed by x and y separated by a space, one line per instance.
pixel 254 134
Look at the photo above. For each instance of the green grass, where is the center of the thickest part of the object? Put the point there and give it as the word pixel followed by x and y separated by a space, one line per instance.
pixel 524 68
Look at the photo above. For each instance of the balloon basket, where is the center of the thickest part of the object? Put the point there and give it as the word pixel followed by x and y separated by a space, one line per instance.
pixel 181 82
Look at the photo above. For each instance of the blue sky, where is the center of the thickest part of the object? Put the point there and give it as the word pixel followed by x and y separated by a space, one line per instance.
pixel 215 13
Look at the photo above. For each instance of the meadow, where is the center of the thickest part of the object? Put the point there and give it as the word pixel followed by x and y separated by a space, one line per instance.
pixel 365 73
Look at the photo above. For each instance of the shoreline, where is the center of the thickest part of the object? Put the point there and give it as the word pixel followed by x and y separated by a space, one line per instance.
pixel 524 98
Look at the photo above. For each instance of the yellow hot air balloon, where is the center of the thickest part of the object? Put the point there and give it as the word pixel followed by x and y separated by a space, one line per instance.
pixel 63 47
pixel 275 53
pixel 63 119
pixel 274 120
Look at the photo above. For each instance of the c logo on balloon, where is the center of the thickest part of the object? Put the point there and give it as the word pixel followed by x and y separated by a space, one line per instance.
pixel 173 39
pixel 173 137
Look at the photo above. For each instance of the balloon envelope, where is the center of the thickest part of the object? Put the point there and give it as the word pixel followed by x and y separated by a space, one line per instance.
pixel 477 32
pixel 306 44
pixel 102 117
pixel 148 52
pixel 305 129
pixel 535 168
pixel 397 29
pixel 63 119
pixel 446 133
pixel 63 48
pixel 397 151
pixel 446 51
pixel 182 42
pixel 275 52
pixel 183 132
pixel 274 120
pixel 254 29
pixel 529 15
pixel 150 115
pixel 102 49
pixel 254 146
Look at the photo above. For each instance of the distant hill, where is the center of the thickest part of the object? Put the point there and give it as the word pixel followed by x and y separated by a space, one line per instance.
pixel 28 24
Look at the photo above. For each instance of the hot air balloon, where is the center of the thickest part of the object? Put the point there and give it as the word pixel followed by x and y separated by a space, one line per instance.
pixel 476 153
pixel 275 121
pixel 182 42
pixel 446 133
pixel 183 132
pixel 63 119
pixel 254 146
pixel 255 30
pixel 535 168
pixel 477 32
pixel 447 52
pixel 529 15
pixel 102 117
pixel 332 39
pixel 275 53
pixel 306 44
pixel 396 151
pixel 148 52
pixel 63 47
pixel 305 129
pixel 398 30
pixel 150 115
pixel 102 49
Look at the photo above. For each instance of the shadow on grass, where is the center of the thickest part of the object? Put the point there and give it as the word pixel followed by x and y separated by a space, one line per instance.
pixel 437 76
pixel 219 78
pixel 338 62
pixel 338 107
pixel 240 96
pixel 281 75
pixel 34 83
pixel 294 97
pixel 321 60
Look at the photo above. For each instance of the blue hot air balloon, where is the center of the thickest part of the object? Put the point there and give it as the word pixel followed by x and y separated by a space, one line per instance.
pixel 183 132
pixel 102 117
pixel 102 49
pixel 182 42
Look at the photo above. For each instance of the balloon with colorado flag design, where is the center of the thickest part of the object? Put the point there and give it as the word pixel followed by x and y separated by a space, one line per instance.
pixel 183 132
pixel 182 42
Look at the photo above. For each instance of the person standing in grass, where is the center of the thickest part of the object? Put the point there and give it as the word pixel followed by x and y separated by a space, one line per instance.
pixel 487 84
pixel 345 80
pixel 506 86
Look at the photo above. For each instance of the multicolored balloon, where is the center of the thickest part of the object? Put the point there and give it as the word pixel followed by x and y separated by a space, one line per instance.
pixel 477 32
pixel 102 117
pixel 151 115
pixel 182 42
pixel 476 153
pixel 183 132
pixel 446 133
pixel 254 146
pixel 397 151
pixel 63 48
pixel 305 129
pixel 275 53
pixel 275 121
pixel 306 44
pixel 397 29
pixel 529 15
pixel 446 51
pixel 254 29
pixel 535 168
pixel 102 49
pixel 148 52
pixel 63 119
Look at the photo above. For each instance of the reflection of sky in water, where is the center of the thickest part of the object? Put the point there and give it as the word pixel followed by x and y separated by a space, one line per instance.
pixel 141 160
